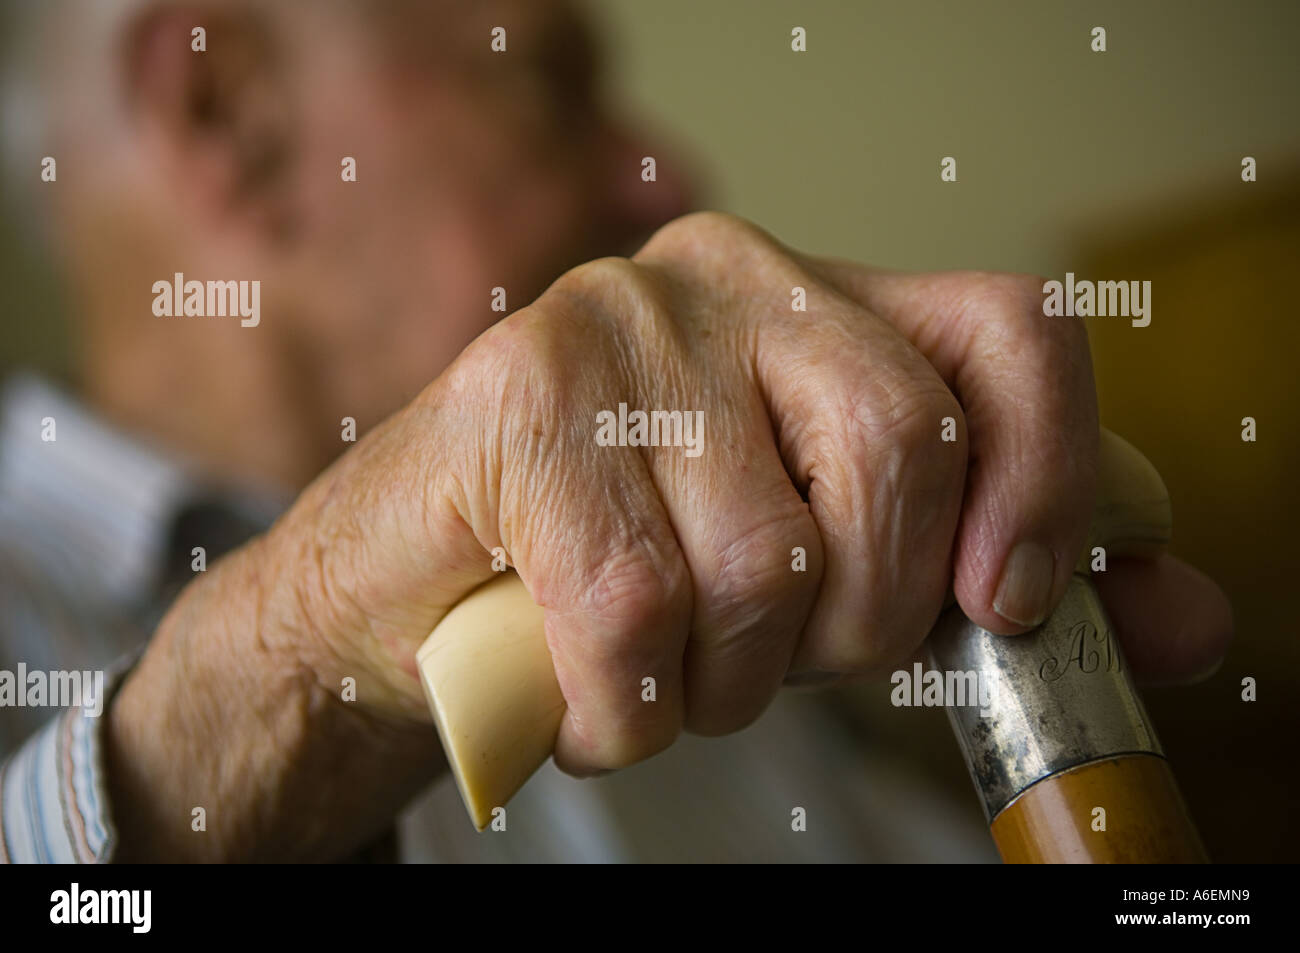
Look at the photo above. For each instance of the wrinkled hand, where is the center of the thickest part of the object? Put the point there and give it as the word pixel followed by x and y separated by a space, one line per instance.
pixel 823 430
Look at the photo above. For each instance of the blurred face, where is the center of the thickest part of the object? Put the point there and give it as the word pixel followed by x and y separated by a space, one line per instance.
pixel 476 170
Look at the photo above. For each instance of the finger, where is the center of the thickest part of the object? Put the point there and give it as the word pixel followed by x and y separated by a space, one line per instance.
pixel 738 520
pixel 584 526
pixel 861 417
pixel 734 512
pixel 1025 384
pixel 1175 624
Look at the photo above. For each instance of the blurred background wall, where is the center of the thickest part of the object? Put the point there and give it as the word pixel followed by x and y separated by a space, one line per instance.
pixel 837 150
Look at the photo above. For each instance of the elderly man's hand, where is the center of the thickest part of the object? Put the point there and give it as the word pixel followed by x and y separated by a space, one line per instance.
pixel 905 432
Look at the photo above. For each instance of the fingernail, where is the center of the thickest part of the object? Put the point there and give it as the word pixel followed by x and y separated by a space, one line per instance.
pixel 1026 584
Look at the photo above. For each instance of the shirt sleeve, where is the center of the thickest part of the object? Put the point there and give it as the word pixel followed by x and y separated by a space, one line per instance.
pixel 54 804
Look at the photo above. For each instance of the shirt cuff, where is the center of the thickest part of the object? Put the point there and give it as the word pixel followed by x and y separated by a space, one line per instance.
pixel 54 805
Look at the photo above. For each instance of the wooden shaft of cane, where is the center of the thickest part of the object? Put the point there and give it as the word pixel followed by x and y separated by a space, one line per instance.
pixel 494 696
pixel 1107 794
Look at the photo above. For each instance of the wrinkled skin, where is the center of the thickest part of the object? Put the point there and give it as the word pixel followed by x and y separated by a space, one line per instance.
pixel 822 431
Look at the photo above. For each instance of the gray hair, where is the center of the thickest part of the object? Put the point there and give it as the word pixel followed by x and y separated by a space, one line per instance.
pixel 57 85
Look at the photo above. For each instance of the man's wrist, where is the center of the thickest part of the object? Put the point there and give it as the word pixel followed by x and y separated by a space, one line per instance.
pixel 223 744
pixel 312 616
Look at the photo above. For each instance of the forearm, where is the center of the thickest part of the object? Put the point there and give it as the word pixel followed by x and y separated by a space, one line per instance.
pixel 223 713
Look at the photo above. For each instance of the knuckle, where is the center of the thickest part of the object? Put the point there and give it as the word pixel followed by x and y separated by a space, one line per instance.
pixel 1010 306
pixel 698 234
pixel 754 607
pixel 703 222
pixel 609 293
pixel 1007 309
pixel 752 575
pixel 639 602
pixel 903 413
pixel 603 282
pixel 1003 291
pixel 529 342
pixel 635 593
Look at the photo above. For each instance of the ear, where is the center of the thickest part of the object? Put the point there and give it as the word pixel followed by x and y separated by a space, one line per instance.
pixel 220 115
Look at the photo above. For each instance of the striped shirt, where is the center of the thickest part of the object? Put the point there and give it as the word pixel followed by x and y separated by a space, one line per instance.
pixel 86 515
pixel 85 519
